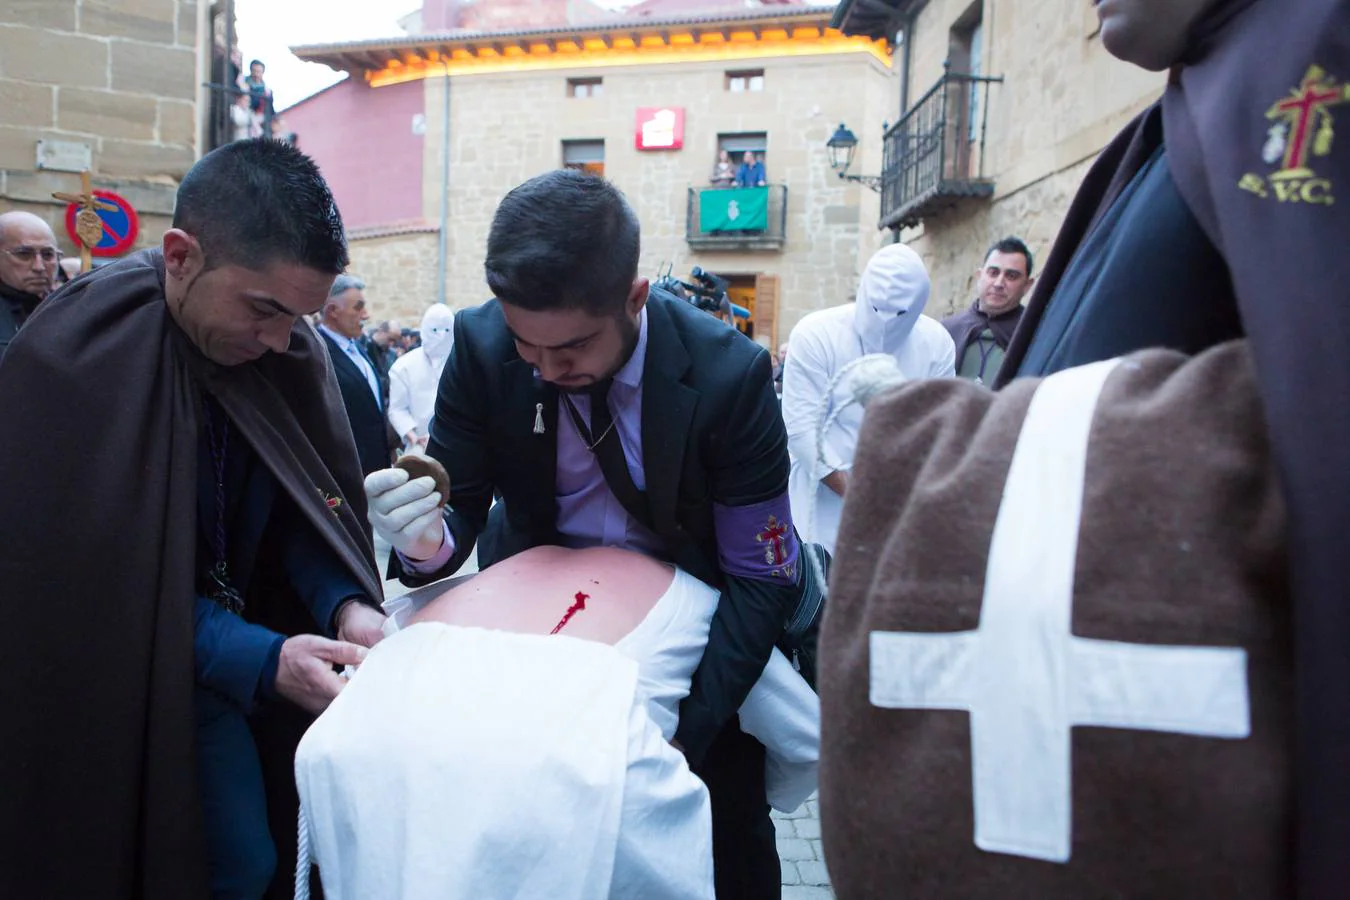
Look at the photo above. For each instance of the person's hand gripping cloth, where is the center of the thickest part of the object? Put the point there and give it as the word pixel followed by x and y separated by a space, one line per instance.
pixel 1057 659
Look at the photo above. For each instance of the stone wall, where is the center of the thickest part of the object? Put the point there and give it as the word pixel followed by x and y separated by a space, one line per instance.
pixel 116 75
pixel 399 271
pixel 1063 97
pixel 831 225
pixel 954 244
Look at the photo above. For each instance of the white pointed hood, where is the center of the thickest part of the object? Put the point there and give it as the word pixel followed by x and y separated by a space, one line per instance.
pixel 438 332
pixel 891 296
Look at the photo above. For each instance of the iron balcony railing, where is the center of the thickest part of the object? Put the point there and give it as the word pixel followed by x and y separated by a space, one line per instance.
pixel 934 155
pixel 755 220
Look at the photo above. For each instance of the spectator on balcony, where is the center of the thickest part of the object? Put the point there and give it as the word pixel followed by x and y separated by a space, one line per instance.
pixel 982 333
pixel 260 95
pixel 751 172
pixel 242 118
pixel 724 173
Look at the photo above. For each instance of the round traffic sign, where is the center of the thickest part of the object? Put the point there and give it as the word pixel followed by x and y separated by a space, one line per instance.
pixel 120 225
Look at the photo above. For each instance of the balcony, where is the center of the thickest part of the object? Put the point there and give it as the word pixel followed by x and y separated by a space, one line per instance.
pixel 934 156
pixel 219 123
pixel 737 218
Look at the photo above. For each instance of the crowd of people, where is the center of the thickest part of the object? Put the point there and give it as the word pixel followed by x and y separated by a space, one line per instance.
pixel 1085 630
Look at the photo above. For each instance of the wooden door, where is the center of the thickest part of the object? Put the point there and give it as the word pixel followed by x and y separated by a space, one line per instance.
pixel 766 308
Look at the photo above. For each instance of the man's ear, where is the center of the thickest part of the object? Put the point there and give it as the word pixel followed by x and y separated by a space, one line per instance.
pixel 183 256
pixel 637 297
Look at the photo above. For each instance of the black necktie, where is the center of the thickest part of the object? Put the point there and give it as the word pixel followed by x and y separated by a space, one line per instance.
pixel 605 443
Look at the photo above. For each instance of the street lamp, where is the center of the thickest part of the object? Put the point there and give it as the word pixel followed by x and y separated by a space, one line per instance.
pixel 842 145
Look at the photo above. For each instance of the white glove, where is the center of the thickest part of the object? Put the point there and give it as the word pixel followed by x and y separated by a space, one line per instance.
pixel 406 513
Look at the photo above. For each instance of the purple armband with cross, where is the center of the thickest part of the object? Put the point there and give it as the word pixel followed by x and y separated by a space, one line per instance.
pixel 757 541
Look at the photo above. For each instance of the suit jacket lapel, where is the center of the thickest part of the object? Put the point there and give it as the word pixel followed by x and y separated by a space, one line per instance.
pixel 667 410
pixel 529 399
pixel 347 370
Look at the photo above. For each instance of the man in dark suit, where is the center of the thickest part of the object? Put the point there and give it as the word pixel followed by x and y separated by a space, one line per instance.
pixel 605 412
pixel 364 392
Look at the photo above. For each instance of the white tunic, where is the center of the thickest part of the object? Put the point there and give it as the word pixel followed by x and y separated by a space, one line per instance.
pixel 471 763
pixel 885 319
pixel 414 376
pixel 413 379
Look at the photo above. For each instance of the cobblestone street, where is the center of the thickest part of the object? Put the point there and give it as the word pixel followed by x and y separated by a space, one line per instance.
pixel 799 847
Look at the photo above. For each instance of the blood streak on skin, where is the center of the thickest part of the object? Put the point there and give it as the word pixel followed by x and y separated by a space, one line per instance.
pixel 572 610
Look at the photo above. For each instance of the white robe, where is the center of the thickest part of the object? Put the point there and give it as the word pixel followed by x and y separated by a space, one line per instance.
pixel 886 318
pixel 467 763
pixel 414 376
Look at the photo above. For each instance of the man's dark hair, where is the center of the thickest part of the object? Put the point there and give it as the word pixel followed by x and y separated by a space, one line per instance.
pixel 564 240
pixel 257 62
pixel 257 202
pixel 1012 245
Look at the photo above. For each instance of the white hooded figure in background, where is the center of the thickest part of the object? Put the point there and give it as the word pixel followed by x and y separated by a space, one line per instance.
pixel 414 376
pixel 886 318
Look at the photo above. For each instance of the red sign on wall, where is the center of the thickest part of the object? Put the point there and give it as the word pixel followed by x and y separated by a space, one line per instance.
pixel 660 128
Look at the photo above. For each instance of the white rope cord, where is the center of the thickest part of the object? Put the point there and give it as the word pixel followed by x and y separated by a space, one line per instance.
pixel 303 856
pixel 874 373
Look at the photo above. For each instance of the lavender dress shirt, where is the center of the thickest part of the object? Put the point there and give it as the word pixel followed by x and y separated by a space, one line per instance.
pixel 589 515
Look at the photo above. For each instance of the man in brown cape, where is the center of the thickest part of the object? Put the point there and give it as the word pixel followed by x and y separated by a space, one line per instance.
pixel 1217 213
pixel 196 512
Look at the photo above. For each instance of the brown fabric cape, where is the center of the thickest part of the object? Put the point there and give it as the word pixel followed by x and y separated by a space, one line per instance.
pixel 1182 542
pixel 1289 271
pixel 97 544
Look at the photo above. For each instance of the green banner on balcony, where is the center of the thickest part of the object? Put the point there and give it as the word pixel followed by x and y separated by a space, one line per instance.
pixel 733 209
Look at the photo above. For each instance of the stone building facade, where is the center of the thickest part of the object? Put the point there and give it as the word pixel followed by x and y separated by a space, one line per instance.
pixel 1061 99
pixel 398 265
pixel 523 102
pixel 118 77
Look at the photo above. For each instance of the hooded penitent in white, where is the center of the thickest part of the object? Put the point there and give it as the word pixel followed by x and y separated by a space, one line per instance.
pixel 886 318
pixel 414 376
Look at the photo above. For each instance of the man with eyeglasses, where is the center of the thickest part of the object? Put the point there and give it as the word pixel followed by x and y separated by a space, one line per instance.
pixel 28 261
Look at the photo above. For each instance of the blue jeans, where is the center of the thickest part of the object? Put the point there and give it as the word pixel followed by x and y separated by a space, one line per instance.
pixel 234 805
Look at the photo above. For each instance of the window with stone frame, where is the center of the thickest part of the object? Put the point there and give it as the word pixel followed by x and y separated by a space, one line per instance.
pixel 745 81
pixel 585 87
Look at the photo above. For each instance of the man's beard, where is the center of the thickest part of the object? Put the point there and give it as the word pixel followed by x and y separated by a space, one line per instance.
pixel 628 334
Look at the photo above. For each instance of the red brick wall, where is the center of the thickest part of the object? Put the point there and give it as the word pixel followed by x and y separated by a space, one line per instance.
pixel 362 139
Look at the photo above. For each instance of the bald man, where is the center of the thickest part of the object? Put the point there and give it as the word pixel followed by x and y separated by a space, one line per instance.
pixel 28 260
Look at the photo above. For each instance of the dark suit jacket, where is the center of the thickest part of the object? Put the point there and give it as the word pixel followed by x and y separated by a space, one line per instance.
pixel 268 542
pixel 15 307
pixel 370 423
pixel 711 434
